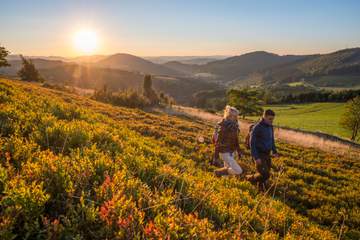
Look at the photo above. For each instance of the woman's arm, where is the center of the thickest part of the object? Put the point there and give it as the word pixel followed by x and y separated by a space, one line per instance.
pixel 218 140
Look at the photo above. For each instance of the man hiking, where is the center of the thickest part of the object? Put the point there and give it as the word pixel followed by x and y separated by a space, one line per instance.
pixel 226 139
pixel 262 143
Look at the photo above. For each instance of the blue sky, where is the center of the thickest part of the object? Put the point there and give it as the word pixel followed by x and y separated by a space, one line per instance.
pixel 159 27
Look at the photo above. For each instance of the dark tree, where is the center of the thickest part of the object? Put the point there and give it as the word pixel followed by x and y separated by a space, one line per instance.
pixel 246 100
pixel 351 117
pixel 28 72
pixel 149 92
pixel 147 85
pixel 3 54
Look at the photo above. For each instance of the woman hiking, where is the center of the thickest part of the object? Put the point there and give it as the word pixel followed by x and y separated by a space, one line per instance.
pixel 227 142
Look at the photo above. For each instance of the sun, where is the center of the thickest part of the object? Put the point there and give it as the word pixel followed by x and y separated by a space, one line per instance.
pixel 85 41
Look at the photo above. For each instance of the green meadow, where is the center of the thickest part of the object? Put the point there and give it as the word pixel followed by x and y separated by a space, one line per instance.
pixel 322 117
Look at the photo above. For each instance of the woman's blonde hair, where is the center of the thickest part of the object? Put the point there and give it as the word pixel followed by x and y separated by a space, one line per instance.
pixel 229 110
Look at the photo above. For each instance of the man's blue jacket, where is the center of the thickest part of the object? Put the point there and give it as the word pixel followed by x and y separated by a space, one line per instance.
pixel 262 139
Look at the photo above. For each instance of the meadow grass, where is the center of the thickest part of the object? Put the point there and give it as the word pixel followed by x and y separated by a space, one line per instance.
pixel 316 117
pixel 74 168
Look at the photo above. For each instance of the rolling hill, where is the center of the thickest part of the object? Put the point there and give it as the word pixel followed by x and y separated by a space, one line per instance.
pixel 282 74
pixel 340 68
pixel 236 67
pixel 94 76
pixel 40 63
pixel 184 68
pixel 76 168
pixel 184 59
pixel 240 66
pixel 132 63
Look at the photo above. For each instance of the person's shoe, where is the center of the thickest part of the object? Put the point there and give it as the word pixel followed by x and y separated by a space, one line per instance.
pixel 221 172
pixel 264 187
pixel 217 163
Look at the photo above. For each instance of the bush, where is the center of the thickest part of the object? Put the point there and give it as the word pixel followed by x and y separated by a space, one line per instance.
pixel 63 136
pixel 126 99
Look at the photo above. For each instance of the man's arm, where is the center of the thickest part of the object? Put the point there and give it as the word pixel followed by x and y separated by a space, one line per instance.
pixel 254 152
pixel 273 142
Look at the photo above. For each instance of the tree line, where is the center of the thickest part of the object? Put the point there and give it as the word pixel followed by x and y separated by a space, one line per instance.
pixel 320 96
pixel 134 99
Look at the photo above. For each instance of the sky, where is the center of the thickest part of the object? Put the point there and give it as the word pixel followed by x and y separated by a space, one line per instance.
pixel 180 27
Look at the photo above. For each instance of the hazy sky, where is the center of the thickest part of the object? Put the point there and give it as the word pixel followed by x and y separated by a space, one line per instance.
pixel 181 27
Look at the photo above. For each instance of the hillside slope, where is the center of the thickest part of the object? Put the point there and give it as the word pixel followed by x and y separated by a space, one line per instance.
pixel 240 66
pixel 340 68
pixel 129 62
pixel 92 76
pixel 75 168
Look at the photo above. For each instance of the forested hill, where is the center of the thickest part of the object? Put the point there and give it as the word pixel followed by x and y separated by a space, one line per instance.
pixel 72 167
pixel 340 68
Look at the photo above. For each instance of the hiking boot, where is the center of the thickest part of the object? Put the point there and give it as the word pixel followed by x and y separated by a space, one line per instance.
pixel 221 172
pixel 217 163
pixel 261 187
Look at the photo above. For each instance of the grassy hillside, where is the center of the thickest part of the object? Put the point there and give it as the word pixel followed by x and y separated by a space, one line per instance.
pixel 322 117
pixel 75 168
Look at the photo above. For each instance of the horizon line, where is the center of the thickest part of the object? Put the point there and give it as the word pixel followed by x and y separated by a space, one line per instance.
pixel 212 55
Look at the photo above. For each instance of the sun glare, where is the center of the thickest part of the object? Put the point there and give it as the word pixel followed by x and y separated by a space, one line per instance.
pixel 85 41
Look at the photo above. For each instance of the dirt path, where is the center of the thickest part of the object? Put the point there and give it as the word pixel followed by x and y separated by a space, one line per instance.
pixel 298 137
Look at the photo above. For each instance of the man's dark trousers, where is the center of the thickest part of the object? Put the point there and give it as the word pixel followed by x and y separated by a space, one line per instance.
pixel 263 170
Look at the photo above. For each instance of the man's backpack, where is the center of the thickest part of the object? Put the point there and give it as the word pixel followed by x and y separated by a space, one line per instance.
pixel 248 136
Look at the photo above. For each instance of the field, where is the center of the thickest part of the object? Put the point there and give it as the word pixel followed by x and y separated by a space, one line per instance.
pixel 321 117
pixel 337 81
pixel 73 168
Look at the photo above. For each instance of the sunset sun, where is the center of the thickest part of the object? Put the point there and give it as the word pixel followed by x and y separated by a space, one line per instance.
pixel 85 41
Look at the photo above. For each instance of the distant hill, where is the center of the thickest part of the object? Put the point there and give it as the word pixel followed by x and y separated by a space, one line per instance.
pixel 341 68
pixel 13 57
pixel 132 63
pixel 182 67
pixel 90 77
pixel 87 59
pixel 345 61
pixel 239 66
pixel 93 76
pixel 40 63
pixel 185 59
pixel 338 69
pixel 235 67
